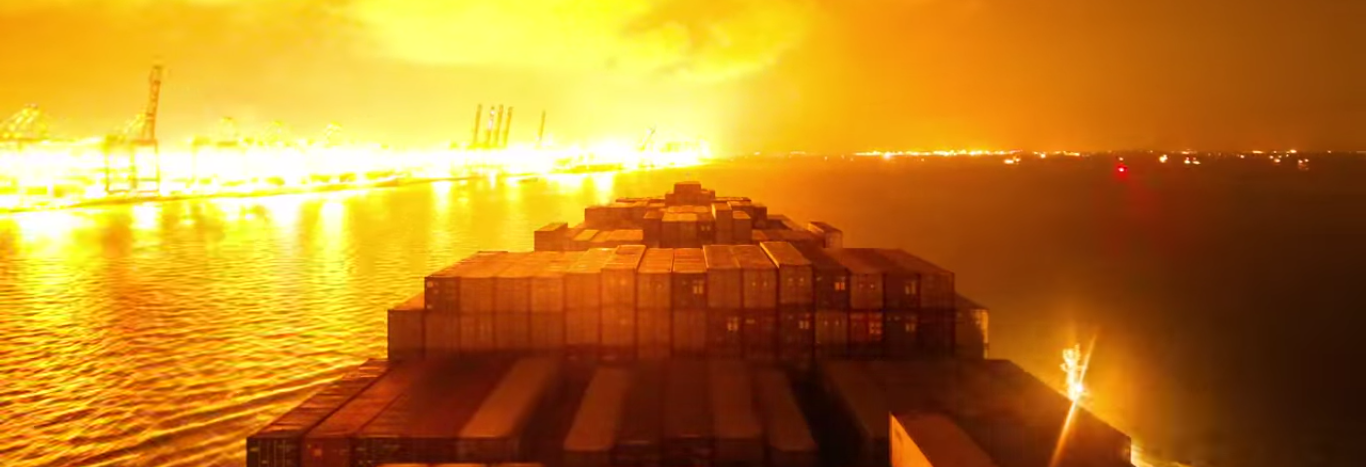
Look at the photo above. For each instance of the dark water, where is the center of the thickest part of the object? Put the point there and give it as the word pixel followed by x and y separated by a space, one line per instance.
pixel 1224 296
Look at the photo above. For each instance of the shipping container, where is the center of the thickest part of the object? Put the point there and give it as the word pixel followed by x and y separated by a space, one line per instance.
pixel 550 237
pixel 652 228
pixel 865 280
pixel 865 334
pixel 759 212
pixel 641 436
pixel 602 240
pixel 935 331
pixel 794 273
pixel 495 433
pixel 735 423
pixel 759 278
pixel 776 221
pixel 936 283
pixel 329 444
pixel 741 227
pixel 583 280
pixel 970 329
pixel 387 437
pixel 830 279
pixel 757 236
pixel 689 289
pixel 864 409
pixel 796 335
pixel 654 331
pixel 690 336
pixel 618 334
pixel 441 334
pixel 654 279
pixel 706 227
pixel 621 214
pixel 932 440
pixel 671 231
pixel 547 320
pixel 442 288
pixel 687 415
pixel 512 302
pixel 688 236
pixel 583 239
pixel 477 286
pixel 619 276
pixel 899 334
pixel 548 284
pixel 900 285
pixel 627 237
pixel 598 217
pixel 803 238
pixel 724 277
pixel 759 333
pixel 435 432
pixel 280 444
pixel 593 434
pixel 787 432
pixel 794 226
pixel 477 333
pixel 583 304
pixel 725 333
pixel 832 333
pixel 829 235
pixel 406 329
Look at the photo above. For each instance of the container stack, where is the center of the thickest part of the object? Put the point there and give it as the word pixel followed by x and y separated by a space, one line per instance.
pixel 687 330
pixel 793 296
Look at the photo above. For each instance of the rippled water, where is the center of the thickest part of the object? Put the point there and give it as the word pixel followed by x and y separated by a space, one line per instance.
pixel 163 334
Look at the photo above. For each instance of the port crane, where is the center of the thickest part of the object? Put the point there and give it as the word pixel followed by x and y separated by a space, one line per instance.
pixel 28 125
pixel 139 134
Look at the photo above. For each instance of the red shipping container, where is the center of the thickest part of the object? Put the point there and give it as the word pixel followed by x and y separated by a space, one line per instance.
pixel 830 279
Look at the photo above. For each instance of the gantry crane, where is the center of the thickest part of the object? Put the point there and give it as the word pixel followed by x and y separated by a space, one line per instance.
pixel 139 133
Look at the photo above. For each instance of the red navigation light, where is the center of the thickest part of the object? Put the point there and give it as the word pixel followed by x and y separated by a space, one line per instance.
pixel 1122 168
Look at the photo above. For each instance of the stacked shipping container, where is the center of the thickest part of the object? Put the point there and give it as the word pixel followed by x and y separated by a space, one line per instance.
pixel 759 293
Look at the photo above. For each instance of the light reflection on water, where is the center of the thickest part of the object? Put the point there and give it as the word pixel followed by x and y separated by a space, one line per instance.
pixel 163 334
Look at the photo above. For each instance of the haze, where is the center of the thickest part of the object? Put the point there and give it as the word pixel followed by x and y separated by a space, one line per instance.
pixel 746 74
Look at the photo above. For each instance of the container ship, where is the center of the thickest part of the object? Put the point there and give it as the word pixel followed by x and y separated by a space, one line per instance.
pixel 688 330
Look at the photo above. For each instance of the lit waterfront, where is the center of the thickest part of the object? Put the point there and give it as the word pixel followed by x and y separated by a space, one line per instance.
pixel 164 333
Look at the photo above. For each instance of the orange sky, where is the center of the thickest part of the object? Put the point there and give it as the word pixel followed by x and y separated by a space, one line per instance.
pixel 749 74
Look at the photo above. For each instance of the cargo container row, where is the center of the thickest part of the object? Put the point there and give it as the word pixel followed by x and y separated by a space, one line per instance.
pixel 280 443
